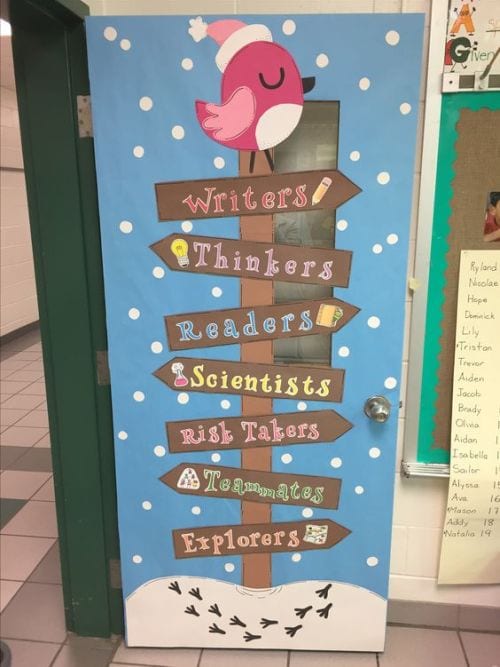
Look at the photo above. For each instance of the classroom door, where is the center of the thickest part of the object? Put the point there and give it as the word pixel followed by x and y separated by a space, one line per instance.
pixel 255 182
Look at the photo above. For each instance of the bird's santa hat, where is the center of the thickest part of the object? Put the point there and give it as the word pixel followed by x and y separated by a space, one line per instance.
pixel 230 34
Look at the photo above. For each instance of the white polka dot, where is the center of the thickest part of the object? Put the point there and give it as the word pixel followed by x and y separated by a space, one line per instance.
pixel 126 226
pixel 187 64
pixel 336 462
pixel 390 383
pixel 156 347
pixel 122 435
pixel 359 490
pixel 342 225
pixel 344 351
pixel 137 559
pixel 139 396
pixel 158 272
pixel 322 60
pixel 288 27
pixel 405 108
pixel 159 451
pixel 392 37
pixel 377 248
pixel 229 567
pixel 392 239
pixel 372 561
pixel 146 103
pixel 138 151
pixel 374 453
pixel 178 132
pixel 364 83
pixel 125 44
pixel 286 458
pixel 146 505
pixel 355 155
pixel 183 398
pixel 219 163
pixel 216 292
pixel 302 405
pixel 384 177
pixel 296 558
pixel 110 33
pixel 373 322
pixel 215 457
pixel 134 313
pixel 196 510
pixel 307 513
pixel 225 404
pixel 187 226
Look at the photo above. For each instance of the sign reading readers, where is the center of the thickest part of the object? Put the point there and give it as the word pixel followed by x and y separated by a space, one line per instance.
pixel 242 325
pixel 254 485
pixel 253 195
pixel 289 428
pixel 257 538
pixel 268 380
pixel 255 259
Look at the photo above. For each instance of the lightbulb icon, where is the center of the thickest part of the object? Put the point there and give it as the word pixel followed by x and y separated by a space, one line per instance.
pixel 179 247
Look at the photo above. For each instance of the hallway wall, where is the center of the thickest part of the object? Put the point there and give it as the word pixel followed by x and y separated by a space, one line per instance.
pixel 17 278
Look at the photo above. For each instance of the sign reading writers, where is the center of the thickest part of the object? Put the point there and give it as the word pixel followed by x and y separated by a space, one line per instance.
pixel 253 195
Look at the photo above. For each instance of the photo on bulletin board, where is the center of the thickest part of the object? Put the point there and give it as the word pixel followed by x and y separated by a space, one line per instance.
pixel 491 230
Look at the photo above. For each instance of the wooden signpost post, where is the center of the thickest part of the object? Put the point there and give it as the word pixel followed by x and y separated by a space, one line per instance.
pixel 258 262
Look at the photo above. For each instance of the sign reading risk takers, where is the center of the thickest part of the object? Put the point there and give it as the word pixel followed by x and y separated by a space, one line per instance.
pixel 257 538
pixel 254 485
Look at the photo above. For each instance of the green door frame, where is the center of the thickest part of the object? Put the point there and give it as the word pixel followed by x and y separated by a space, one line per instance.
pixel 50 63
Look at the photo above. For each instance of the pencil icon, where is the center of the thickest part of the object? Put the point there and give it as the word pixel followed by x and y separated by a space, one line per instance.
pixel 320 191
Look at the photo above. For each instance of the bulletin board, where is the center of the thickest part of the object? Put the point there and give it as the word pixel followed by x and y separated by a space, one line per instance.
pixel 468 169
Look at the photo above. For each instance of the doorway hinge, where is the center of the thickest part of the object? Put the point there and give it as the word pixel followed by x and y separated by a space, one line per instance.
pixel 103 377
pixel 115 577
pixel 84 114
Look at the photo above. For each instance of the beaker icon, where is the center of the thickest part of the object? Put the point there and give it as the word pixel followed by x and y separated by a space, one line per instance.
pixel 180 379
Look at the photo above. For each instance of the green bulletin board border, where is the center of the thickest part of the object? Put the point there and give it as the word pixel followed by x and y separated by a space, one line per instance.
pixel 452 105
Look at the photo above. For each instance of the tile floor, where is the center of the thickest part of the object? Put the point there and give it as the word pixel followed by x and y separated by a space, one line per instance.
pixel 32 616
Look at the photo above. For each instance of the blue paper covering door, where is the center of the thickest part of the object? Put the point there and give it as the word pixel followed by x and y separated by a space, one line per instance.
pixel 195 122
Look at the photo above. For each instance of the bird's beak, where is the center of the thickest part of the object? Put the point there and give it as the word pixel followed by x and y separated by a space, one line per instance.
pixel 308 84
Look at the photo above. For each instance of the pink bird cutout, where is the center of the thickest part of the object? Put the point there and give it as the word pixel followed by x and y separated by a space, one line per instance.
pixel 231 119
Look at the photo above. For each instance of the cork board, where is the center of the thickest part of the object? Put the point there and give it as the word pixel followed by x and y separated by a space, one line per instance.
pixel 468 159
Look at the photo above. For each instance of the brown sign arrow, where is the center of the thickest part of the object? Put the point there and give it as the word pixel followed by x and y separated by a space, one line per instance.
pixel 254 485
pixel 253 195
pixel 255 259
pixel 243 325
pixel 291 428
pixel 268 380
pixel 257 538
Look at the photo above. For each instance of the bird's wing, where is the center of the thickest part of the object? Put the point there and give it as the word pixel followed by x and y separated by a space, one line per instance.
pixel 229 120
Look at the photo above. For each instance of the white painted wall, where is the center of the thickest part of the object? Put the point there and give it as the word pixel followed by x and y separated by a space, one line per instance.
pixel 419 503
pixel 18 304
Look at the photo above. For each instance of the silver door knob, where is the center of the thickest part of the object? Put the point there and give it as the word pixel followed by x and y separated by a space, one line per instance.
pixel 378 408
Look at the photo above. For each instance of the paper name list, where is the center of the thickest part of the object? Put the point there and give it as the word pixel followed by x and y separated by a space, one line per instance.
pixel 470 550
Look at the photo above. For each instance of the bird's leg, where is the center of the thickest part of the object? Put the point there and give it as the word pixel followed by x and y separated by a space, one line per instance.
pixel 269 159
pixel 252 161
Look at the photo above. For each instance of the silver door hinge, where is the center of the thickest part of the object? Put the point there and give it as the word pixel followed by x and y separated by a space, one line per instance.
pixel 84 114
pixel 102 367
